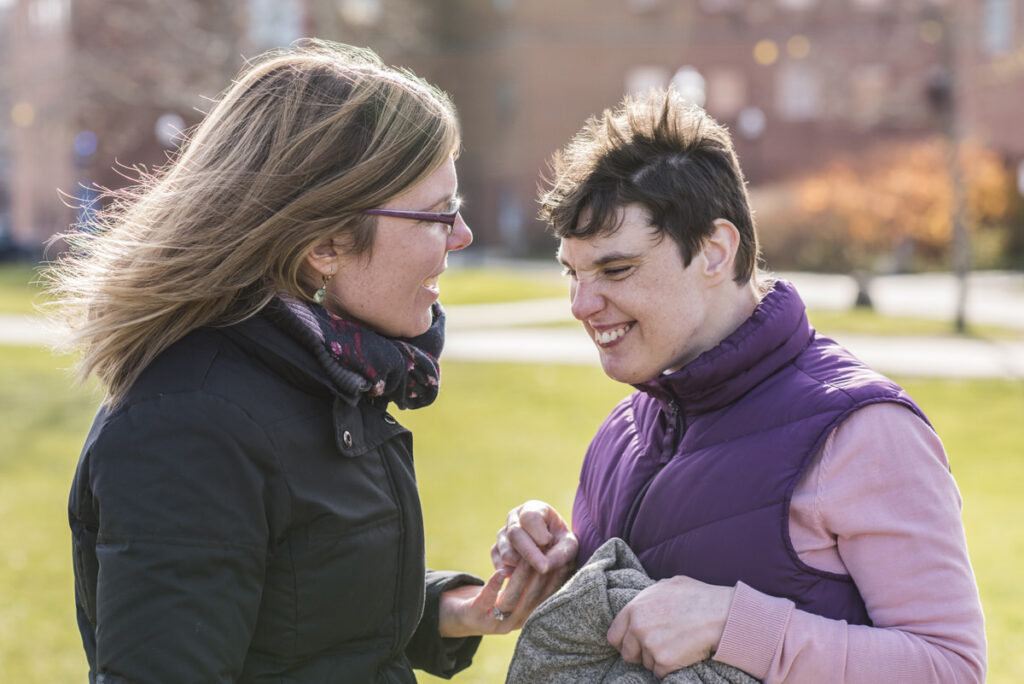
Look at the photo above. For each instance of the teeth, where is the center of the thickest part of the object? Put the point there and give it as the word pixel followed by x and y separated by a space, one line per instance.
pixel 611 335
pixel 431 282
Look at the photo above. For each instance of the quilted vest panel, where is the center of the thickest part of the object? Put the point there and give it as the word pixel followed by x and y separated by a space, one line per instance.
pixel 702 487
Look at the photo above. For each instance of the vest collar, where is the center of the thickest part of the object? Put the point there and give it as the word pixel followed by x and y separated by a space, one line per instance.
pixel 774 335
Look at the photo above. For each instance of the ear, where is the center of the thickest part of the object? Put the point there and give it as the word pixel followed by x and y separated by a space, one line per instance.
pixel 324 258
pixel 720 250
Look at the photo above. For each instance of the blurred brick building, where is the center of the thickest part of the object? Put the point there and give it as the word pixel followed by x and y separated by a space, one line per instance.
pixel 797 81
pixel 5 144
pixel 991 74
pixel 97 86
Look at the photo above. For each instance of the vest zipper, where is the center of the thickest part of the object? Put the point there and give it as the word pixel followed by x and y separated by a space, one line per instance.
pixel 669 443
pixel 635 508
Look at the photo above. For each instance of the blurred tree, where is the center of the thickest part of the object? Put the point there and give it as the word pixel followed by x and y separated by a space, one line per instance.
pixel 138 60
pixel 1013 249
pixel 156 53
pixel 895 204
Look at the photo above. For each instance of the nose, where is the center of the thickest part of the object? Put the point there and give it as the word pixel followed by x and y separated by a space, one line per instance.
pixel 461 236
pixel 586 299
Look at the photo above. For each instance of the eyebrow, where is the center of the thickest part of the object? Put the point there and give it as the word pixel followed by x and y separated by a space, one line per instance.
pixel 606 259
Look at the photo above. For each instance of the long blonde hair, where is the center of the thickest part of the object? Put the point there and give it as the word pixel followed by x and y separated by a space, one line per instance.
pixel 301 143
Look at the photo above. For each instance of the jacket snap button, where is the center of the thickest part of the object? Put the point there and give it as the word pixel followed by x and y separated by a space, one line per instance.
pixel 346 438
pixel 388 419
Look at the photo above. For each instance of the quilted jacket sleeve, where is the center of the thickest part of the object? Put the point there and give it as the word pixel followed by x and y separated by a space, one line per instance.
pixel 178 487
pixel 428 650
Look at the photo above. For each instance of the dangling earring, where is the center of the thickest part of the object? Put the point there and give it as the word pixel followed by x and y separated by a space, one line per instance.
pixel 320 295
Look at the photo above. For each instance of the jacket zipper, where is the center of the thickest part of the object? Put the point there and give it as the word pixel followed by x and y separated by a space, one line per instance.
pixel 678 426
pixel 393 485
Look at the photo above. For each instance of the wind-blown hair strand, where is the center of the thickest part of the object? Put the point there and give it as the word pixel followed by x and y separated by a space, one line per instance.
pixel 303 141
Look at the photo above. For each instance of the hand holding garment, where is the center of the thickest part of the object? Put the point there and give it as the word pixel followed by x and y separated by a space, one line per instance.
pixel 564 641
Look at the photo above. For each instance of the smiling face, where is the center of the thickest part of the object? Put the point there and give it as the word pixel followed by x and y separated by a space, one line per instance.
pixel 645 311
pixel 390 289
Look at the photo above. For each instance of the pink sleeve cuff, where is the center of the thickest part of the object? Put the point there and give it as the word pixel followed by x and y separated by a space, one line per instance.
pixel 753 631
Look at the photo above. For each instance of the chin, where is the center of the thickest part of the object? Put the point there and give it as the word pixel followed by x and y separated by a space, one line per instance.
pixel 628 376
pixel 413 328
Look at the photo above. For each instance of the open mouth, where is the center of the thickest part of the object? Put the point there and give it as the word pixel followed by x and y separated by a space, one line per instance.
pixel 431 283
pixel 606 337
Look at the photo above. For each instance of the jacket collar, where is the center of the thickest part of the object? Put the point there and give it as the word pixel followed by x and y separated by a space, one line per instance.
pixel 275 336
pixel 774 335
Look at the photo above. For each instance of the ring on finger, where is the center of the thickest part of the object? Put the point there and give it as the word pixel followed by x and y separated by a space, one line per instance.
pixel 500 615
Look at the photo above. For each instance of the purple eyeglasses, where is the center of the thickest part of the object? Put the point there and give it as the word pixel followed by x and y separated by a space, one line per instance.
pixel 446 217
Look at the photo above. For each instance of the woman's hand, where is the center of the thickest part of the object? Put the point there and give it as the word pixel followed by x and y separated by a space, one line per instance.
pixel 471 610
pixel 671 624
pixel 536 533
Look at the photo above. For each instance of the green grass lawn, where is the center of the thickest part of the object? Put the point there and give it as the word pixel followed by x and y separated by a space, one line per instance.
pixel 45 423
pixel 477 285
pixel 498 435
pixel 20 291
pixel 18 288
pixel 870 322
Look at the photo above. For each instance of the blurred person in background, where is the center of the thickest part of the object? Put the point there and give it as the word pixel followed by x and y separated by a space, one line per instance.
pixel 245 506
pixel 797 506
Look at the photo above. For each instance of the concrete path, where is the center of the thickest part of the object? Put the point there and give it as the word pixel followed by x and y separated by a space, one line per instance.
pixel 510 332
pixel 502 332
pixel 950 357
pixel 23 330
pixel 993 298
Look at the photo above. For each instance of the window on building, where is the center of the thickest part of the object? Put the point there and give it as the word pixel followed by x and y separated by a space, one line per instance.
pixel 641 6
pixel 797 4
pixel 716 6
pixel 766 52
pixel 506 97
pixel 48 15
pixel 504 6
pixel 997 23
pixel 512 220
pixel 798 92
pixel 360 12
pixel 727 92
pixel 273 23
pixel 751 122
pixel 643 78
pixel 868 86
pixel 691 85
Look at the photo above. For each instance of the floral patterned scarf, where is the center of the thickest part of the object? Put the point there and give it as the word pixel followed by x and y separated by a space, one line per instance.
pixel 400 370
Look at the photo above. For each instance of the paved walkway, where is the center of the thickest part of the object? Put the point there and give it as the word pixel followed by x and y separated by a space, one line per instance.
pixel 503 332
pixel 516 331
pixel 950 357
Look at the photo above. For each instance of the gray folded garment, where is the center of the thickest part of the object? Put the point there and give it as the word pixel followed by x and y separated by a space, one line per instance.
pixel 565 640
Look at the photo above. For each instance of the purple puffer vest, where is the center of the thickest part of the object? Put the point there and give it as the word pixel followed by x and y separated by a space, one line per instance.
pixel 696 470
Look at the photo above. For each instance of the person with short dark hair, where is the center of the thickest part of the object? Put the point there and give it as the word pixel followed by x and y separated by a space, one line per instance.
pixel 796 506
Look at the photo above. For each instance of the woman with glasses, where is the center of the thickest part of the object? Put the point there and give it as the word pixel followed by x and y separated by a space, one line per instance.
pixel 245 507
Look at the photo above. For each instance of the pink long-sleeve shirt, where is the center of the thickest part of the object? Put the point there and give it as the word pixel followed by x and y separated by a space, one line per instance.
pixel 880 504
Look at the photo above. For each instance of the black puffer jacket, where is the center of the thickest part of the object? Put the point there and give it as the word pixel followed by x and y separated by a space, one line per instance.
pixel 241 516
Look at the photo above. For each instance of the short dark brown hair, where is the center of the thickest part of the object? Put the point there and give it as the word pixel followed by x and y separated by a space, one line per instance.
pixel 664 154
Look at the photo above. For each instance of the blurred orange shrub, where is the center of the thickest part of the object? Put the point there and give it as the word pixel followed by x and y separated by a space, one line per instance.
pixel 888 209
